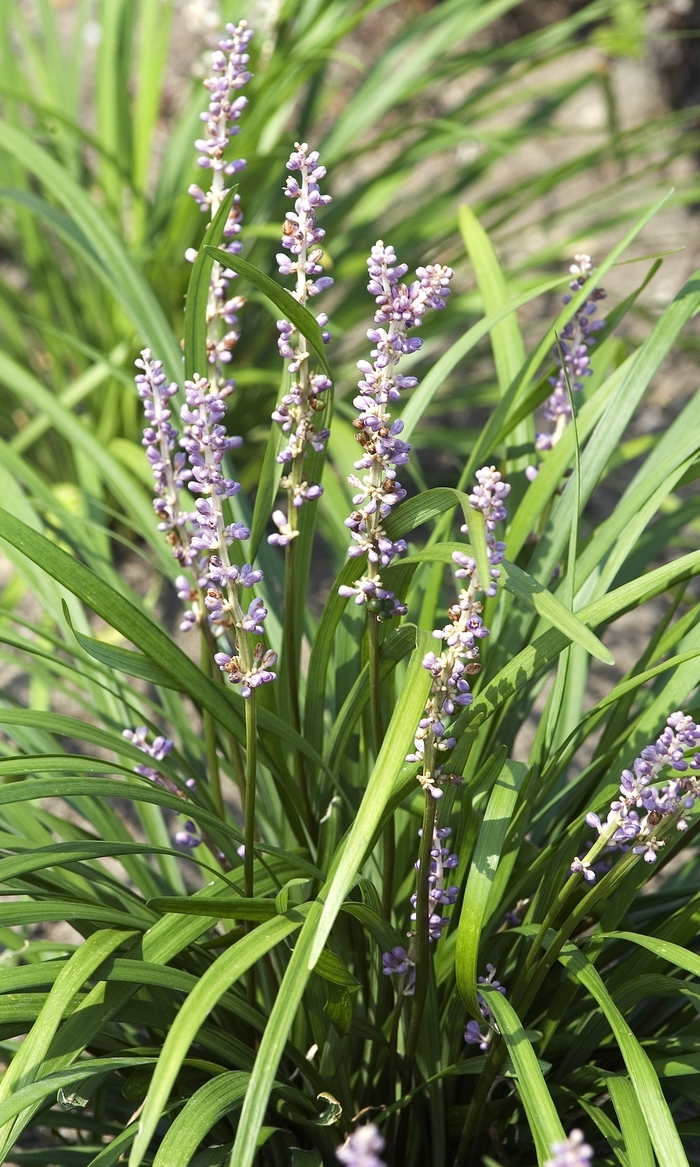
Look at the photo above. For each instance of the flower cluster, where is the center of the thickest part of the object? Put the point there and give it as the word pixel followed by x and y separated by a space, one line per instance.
pixel 401 961
pixel 297 412
pixel 400 308
pixel 625 823
pixel 575 339
pixel 170 472
pixel 362 1147
pixel 229 74
pixel 573 1153
pixel 159 748
pixel 201 538
pixel 473 1034
pixel 460 656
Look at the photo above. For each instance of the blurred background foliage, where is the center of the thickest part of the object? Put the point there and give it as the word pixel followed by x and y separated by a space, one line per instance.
pixel 556 120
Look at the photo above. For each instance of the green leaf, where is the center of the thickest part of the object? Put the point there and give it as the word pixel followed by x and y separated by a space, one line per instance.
pixel 135 626
pixel 25 386
pixel 114 266
pixel 440 371
pixel 632 1125
pixel 527 589
pixel 338 1008
pixel 306 1158
pixel 541 1112
pixel 26 1064
pixel 216 1099
pixel 506 340
pixel 216 980
pixel 291 309
pixel 657 1116
pixel 476 525
pixel 125 660
pixel 482 873
pixel 322 914
pixel 237 908
pixel 198 293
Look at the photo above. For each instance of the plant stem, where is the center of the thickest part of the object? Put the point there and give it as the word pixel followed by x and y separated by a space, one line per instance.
pixel 467 1143
pixel 251 762
pixel 375 700
pixel 291 663
pixel 375 690
pixel 210 734
pixel 251 731
pixel 422 939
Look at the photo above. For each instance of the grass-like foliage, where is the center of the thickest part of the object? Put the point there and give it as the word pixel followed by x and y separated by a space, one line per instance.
pixel 262 753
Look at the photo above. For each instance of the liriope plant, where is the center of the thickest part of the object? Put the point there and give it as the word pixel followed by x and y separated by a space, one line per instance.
pixel 321 908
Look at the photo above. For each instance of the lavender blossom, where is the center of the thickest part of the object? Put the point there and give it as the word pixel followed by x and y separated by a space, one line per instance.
pixel 229 74
pixel 159 748
pixel 362 1147
pixel 575 339
pixel 573 1153
pixel 399 309
pixel 169 470
pixel 459 659
pixel 625 824
pixel 473 1034
pixel 400 961
pixel 206 443
pixel 297 412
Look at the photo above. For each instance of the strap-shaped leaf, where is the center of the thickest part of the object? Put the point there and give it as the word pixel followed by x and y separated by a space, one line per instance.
pixel 482 873
pixel 530 590
pixel 216 980
pixel 237 908
pixel 657 1116
pixel 25 1065
pixel 541 1112
pixel 114 265
pixel 322 914
pixel 290 308
pixel 198 293
pixel 134 625
pixel 211 1102
pixel 633 1128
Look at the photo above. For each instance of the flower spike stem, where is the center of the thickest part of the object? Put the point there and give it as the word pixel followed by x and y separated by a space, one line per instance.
pixel 210 735
pixel 375 700
pixel 422 961
pixel 251 765
pixel 291 651
pixel 422 938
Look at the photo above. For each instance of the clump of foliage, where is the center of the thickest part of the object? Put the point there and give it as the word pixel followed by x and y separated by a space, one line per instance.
pixel 327 916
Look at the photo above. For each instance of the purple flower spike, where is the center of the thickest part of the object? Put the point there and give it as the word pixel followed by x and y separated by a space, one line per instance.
pixel 362 1148
pixel 229 73
pixel 575 339
pixel 399 308
pixel 459 659
pixel 641 806
pixel 297 412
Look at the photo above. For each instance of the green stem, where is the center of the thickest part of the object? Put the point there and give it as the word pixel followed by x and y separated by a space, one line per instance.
pixel 467 1144
pixel 251 762
pixel 291 663
pixel 375 684
pixel 422 939
pixel 210 734
pixel 375 701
